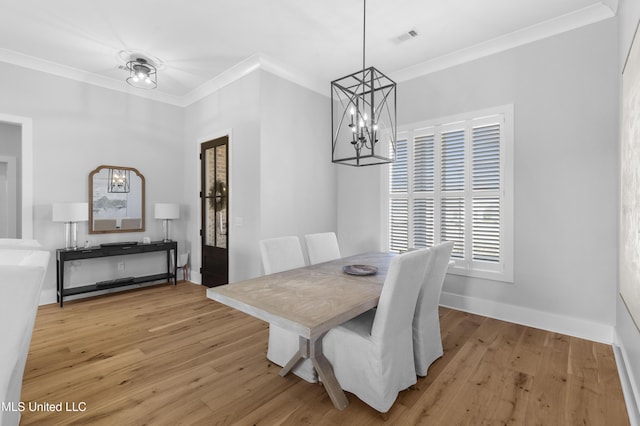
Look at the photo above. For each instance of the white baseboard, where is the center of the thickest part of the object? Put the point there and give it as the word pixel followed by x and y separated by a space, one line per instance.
pixel 48 297
pixel 628 382
pixel 556 323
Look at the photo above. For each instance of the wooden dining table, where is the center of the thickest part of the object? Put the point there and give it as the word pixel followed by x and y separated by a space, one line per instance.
pixel 310 301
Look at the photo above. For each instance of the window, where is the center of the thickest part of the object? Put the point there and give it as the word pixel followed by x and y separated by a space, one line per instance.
pixel 453 181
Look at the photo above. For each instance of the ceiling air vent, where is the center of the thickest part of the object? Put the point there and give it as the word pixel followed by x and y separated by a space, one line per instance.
pixel 406 36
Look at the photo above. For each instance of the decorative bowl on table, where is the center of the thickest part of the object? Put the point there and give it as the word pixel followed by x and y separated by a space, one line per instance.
pixel 360 270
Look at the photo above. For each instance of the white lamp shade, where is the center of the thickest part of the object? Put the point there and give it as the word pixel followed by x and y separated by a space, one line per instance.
pixel 167 211
pixel 70 212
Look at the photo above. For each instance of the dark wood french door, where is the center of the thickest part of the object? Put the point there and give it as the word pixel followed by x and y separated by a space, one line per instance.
pixel 214 198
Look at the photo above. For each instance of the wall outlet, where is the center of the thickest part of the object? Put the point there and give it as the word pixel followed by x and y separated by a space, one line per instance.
pixel 120 266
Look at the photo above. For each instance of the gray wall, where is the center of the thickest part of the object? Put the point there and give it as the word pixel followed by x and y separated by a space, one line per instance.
pixel 77 127
pixel 282 181
pixel 233 110
pixel 297 178
pixel 564 92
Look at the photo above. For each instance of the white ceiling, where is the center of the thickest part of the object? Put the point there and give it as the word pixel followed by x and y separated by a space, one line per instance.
pixel 203 43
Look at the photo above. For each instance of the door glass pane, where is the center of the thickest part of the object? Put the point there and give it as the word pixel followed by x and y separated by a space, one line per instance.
pixel 216 197
pixel 221 196
pixel 210 214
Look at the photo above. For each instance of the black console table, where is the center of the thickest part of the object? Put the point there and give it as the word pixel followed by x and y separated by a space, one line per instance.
pixel 63 255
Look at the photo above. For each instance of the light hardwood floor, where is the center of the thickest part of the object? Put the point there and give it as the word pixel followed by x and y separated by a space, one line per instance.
pixel 168 355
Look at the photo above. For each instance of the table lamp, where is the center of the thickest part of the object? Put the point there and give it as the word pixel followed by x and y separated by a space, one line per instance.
pixel 167 211
pixel 70 214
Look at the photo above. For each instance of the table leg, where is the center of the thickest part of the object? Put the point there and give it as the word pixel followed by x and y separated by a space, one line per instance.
pixel 175 265
pixel 58 280
pixel 61 282
pixel 313 349
pixel 303 352
pixel 325 372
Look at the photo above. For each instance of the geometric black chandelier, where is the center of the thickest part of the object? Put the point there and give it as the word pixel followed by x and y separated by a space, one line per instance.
pixel 363 116
pixel 142 74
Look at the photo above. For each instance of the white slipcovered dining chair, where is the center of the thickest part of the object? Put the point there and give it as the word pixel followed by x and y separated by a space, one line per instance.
pixel 372 354
pixel 427 342
pixel 21 276
pixel 322 247
pixel 282 254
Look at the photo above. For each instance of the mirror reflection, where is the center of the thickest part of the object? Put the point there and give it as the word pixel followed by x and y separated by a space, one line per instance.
pixel 116 199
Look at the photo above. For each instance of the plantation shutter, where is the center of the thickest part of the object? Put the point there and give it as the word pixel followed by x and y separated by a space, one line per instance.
pixel 423 187
pixel 398 224
pixel 423 163
pixel 453 161
pixel 448 184
pixel 452 224
pixel 399 207
pixel 452 185
pixel 423 223
pixel 485 182
pixel 399 176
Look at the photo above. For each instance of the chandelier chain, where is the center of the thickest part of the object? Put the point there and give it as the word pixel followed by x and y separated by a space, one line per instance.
pixel 364 33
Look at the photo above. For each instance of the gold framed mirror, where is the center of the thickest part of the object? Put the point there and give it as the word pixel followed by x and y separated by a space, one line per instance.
pixel 116 200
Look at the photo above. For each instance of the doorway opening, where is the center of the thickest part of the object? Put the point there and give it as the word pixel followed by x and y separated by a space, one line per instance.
pixel 19 130
pixel 9 207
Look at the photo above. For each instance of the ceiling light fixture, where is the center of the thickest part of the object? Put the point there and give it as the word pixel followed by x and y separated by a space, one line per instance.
pixel 363 115
pixel 142 74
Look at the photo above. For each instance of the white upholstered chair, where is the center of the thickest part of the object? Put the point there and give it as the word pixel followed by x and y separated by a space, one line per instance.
pixel 372 354
pixel 21 276
pixel 130 223
pixel 322 247
pixel 281 254
pixel 104 224
pixel 427 342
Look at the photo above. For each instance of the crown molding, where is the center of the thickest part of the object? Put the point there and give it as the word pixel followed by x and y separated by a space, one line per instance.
pixel 245 67
pixel 597 12
pixel 48 67
pixel 227 77
pixel 295 76
pixel 236 72
pixel 611 4
pixel 570 21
